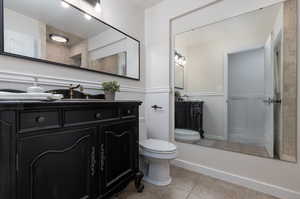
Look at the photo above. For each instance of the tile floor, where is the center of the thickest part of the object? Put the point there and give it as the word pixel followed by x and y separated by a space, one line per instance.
pixel 235 147
pixel 189 185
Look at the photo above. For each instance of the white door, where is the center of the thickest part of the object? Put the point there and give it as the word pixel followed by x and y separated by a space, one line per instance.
pixel 269 96
pixel 246 113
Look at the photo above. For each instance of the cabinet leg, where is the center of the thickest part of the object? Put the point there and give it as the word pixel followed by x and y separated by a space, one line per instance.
pixel 202 134
pixel 138 182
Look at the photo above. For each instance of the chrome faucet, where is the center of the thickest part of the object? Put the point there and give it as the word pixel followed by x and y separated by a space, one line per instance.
pixel 185 97
pixel 72 88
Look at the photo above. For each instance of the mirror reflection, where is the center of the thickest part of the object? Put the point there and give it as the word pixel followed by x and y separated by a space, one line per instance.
pixel 56 32
pixel 235 84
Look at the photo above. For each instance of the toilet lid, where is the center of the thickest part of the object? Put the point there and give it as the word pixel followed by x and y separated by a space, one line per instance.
pixel 159 146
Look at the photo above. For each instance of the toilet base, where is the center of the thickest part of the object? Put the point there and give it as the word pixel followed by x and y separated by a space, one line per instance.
pixel 158 172
pixel 157 183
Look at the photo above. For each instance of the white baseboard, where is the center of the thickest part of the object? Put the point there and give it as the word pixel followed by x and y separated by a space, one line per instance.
pixel 239 180
pixel 242 136
pixel 214 136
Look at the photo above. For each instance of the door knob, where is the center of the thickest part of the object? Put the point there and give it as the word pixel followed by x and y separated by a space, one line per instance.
pixel 40 119
pixel 268 101
pixel 155 107
pixel 272 101
pixel 98 115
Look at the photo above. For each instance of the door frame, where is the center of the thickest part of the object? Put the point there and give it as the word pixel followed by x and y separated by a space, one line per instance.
pixel 226 86
pixel 278 42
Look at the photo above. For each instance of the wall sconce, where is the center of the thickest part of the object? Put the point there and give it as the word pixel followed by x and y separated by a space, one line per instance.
pixel 179 59
pixel 96 4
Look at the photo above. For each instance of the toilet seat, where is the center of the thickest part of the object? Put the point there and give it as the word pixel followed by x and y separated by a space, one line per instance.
pixel 158 146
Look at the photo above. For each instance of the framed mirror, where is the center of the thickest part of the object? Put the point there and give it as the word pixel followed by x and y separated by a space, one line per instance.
pixel 57 33
pixel 241 84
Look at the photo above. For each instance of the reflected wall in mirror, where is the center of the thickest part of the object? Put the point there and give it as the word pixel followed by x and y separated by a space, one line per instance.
pixel 240 84
pixel 51 32
pixel 179 76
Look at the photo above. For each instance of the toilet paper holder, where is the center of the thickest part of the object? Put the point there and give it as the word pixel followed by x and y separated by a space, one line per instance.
pixel 156 107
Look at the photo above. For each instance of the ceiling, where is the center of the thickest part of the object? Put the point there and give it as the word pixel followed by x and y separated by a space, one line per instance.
pixel 255 26
pixel 145 3
pixel 52 13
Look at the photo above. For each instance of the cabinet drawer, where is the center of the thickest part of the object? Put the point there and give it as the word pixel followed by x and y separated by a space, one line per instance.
pixel 200 104
pixel 31 121
pixel 197 110
pixel 128 111
pixel 81 116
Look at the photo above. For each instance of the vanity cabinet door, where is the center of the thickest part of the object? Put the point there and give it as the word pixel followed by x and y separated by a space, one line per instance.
pixel 118 154
pixel 57 165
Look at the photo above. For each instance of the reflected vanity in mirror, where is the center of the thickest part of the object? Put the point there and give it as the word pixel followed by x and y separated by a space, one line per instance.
pixel 58 33
pixel 240 84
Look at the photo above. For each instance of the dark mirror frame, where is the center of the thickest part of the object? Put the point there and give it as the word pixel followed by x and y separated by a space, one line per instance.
pixel 2 52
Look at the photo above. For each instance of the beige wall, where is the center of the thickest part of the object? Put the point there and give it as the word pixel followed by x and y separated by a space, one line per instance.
pixel 289 76
pixel 58 53
pixel 81 49
pixel 204 69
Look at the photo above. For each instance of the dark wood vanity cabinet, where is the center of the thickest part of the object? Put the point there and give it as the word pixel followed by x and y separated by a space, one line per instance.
pixel 189 115
pixel 68 150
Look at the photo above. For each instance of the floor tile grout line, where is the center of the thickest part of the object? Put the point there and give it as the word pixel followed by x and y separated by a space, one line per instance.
pixel 190 192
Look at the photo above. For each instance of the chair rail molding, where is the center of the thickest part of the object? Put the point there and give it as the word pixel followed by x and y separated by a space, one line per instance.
pixel 206 94
pixel 26 78
pixel 156 90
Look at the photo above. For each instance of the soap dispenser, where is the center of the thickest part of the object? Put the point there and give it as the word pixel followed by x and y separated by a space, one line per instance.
pixel 35 88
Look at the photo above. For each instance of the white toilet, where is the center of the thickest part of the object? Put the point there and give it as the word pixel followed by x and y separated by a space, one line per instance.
pixel 187 136
pixel 156 160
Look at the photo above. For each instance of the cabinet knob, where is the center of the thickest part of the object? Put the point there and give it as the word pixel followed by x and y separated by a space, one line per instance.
pixel 128 111
pixel 98 115
pixel 40 119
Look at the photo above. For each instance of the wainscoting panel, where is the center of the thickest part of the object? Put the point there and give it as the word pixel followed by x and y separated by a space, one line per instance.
pixel 214 114
pixel 246 119
pixel 50 81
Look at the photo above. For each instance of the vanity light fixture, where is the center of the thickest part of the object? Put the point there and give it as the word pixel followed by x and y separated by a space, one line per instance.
pixel 179 59
pixel 182 61
pixel 58 38
pixel 96 4
pixel 87 17
pixel 64 4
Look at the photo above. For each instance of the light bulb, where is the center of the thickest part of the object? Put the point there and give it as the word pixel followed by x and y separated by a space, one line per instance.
pixel 180 61
pixel 88 17
pixel 58 38
pixel 64 4
pixel 98 7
